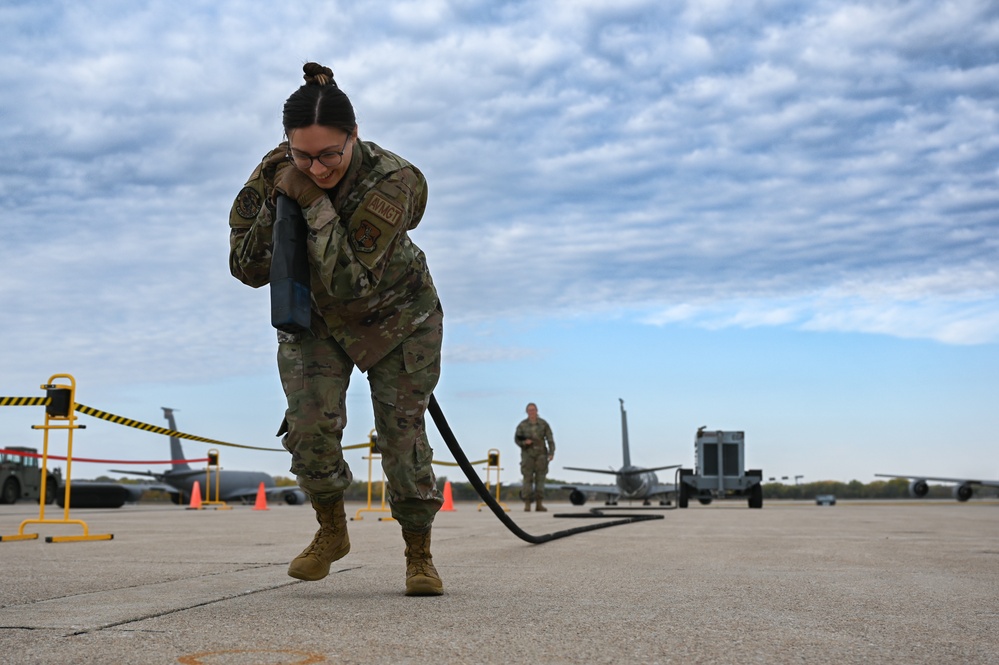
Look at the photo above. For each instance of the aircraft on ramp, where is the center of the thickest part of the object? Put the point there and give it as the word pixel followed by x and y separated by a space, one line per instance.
pixel 241 486
pixel 633 482
pixel 962 489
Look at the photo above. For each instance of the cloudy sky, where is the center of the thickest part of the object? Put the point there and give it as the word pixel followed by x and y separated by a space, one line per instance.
pixel 780 217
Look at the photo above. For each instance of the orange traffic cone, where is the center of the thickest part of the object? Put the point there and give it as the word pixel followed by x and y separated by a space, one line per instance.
pixel 261 503
pixel 195 497
pixel 448 501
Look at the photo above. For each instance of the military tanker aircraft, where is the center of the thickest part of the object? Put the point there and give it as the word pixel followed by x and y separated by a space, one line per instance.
pixel 633 482
pixel 963 488
pixel 241 486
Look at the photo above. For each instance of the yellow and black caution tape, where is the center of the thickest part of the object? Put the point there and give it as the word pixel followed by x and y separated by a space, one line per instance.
pixel 146 427
pixel 156 429
pixel 119 420
pixel 24 401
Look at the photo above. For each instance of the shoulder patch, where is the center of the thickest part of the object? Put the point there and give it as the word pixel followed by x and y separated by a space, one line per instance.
pixel 248 203
pixel 385 209
pixel 364 238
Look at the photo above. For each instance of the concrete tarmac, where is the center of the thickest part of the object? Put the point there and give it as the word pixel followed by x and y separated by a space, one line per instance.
pixel 886 582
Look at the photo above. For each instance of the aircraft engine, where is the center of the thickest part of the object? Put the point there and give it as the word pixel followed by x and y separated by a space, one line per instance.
pixel 962 492
pixel 294 497
pixel 577 498
pixel 918 488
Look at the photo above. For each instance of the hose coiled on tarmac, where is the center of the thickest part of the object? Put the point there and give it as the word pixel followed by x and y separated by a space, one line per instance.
pixel 473 478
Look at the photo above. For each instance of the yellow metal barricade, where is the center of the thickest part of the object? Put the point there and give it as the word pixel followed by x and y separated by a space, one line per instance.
pixel 208 501
pixel 373 455
pixel 60 408
pixel 493 462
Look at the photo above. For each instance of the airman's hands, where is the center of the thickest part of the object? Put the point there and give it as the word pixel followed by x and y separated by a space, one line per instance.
pixel 291 182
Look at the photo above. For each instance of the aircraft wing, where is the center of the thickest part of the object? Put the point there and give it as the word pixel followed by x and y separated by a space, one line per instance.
pixel 612 493
pixel 576 468
pixel 148 474
pixel 162 487
pixel 630 472
pixel 242 494
pixel 960 481
pixel 290 495
pixel 610 490
pixel 138 488
pixel 644 470
pixel 135 492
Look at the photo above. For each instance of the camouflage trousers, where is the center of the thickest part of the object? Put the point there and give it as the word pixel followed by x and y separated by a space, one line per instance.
pixel 534 469
pixel 315 374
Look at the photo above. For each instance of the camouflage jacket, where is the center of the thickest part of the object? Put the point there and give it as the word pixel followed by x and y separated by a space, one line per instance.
pixel 371 287
pixel 539 433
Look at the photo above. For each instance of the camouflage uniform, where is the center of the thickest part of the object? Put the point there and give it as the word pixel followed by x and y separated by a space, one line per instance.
pixel 374 306
pixel 534 458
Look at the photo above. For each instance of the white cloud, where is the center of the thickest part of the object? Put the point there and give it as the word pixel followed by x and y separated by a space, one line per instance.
pixel 823 165
pixel 948 307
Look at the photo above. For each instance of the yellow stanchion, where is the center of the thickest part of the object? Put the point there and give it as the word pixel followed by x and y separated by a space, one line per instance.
pixel 213 463
pixel 493 462
pixel 60 407
pixel 371 457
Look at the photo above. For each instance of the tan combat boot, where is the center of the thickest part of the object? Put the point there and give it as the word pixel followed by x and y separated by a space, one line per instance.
pixel 421 576
pixel 540 508
pixel 329 544
pixel 527 506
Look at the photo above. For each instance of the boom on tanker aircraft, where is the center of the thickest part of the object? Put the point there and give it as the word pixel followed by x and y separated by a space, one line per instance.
pixel 962 489
pixel 234 486
pixel 633 482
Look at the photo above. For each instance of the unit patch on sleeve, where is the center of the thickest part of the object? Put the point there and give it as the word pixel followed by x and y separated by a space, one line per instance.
pixel 248 203
pixel 364 238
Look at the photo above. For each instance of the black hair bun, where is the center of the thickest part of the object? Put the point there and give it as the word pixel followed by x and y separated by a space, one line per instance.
pixel 318 74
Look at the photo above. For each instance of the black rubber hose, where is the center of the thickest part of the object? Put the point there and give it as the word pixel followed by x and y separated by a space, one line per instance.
pixel 473 478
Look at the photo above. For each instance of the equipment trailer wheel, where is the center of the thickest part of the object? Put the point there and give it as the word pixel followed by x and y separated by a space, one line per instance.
pixel 11 491
pixel 682 488
pixel 756 491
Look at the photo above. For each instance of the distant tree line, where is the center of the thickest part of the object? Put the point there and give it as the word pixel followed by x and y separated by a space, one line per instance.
pixel 897 488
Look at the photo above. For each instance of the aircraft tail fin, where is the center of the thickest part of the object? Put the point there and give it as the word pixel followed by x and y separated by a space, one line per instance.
pixel 624 435
pixel 176 451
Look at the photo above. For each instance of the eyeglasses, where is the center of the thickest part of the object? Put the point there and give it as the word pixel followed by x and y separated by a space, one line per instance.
pixel 330 159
